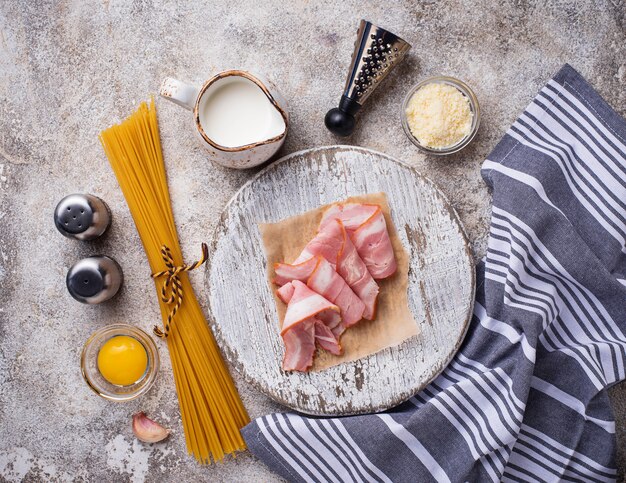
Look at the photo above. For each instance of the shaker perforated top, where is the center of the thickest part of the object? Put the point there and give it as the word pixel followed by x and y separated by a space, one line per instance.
pixel 93 280
pixel 82 216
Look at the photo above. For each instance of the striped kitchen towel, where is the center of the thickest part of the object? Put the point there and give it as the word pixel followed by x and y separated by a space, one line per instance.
pixel 525 398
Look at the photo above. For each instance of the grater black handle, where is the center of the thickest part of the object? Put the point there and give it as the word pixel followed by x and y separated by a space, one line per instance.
pixel 340 120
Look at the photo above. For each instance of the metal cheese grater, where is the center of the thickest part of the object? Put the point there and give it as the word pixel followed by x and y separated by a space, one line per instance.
pixel 376 53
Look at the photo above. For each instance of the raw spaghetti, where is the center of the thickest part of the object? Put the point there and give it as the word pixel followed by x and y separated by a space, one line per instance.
pixel 211 410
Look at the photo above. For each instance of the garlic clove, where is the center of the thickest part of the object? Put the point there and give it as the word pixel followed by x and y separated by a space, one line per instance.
pixel 147 430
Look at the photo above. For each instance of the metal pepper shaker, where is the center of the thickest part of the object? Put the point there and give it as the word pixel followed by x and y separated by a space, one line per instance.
pixel 82 217
pixel 93 280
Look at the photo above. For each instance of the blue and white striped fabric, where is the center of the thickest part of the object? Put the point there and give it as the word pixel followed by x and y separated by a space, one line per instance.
pixel 525 398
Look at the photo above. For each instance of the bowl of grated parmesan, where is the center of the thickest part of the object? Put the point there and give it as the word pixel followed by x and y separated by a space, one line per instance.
pixel 440 115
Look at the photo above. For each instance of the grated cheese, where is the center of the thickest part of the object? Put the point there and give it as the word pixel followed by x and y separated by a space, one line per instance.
pixel 439 115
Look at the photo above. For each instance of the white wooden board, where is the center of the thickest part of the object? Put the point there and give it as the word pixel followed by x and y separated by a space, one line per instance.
pixel 441 280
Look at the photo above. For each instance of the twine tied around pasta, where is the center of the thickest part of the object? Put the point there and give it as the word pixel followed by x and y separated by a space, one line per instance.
pixel 172 290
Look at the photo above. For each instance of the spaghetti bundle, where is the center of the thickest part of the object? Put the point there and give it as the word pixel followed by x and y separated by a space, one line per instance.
pixel 211 410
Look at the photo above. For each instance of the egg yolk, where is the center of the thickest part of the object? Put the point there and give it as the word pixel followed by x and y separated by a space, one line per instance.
pixel 122 360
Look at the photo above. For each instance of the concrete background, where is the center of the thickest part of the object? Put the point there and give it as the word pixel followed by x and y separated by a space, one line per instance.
pixel 69 69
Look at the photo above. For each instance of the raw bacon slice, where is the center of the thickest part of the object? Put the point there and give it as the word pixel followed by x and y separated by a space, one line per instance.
pixel 307 315
pixel 320 276
pixel 299 346
pixel 326 339
pixel 285 292
pixel 301 271
pixel 338 329
pixel 367 228
pixel 328 243
pixel 372 240
pixel 304 304
pixel 328 283
pixel 356 274
pixel 333 243
pixel 352 215
pixel 335 324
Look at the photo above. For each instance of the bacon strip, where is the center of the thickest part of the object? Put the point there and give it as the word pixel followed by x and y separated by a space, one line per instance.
pixel 321 277
pixel 352 215
pixel 299 346
pixel 368 230
pixel 285 292
pixel 333 243
pixel 298 271
pixel 304 304
pixel 328 283
pixel 308 318
pixel 336 326
pixel 326 339
pixel 328 242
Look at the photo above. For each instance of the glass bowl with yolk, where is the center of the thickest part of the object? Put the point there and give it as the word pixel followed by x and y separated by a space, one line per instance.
pixel 120 362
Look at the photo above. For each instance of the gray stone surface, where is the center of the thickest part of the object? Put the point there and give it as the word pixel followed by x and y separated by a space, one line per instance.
pixel 69 69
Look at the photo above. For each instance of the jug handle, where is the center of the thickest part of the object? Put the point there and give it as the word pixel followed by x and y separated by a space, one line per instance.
pixel 179 93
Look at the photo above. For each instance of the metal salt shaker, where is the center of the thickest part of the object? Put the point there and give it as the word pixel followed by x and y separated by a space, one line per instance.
pixel 93 280
pixel 82 217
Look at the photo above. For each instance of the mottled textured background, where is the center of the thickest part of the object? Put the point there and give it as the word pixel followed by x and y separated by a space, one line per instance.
pixel 68 69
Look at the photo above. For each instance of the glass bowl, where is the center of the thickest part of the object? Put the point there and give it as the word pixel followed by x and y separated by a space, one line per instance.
pixel 95 380
pixel 474 107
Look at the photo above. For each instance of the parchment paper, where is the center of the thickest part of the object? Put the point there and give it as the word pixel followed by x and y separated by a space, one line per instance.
pixel 394 322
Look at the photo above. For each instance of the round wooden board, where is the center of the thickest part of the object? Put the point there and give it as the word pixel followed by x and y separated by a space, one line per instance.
pixel 441 280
